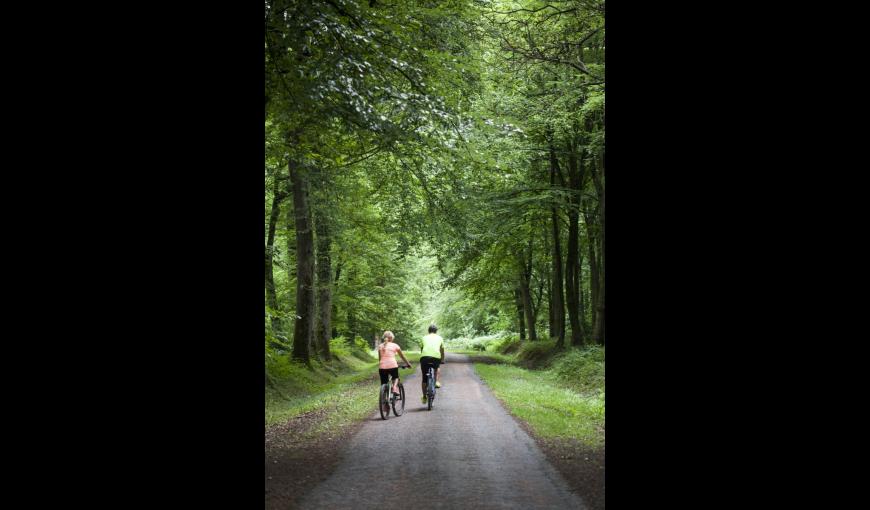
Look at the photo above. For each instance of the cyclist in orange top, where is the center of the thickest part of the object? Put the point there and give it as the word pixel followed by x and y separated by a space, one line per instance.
pixel 387 355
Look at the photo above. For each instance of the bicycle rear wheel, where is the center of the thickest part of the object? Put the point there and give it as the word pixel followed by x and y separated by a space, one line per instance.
pixel 384 401
pixel 431 390
pixel 399 404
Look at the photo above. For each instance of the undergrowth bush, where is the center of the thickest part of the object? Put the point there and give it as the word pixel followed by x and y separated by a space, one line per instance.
pixel 537 354
pixel 508 345
pixel 581 369
pixel 346 356
pixel 339 346
pixel 474 343
pixel 358 349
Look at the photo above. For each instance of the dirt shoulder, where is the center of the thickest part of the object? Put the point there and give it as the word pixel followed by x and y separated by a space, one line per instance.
pixel 296 463
pixel 295 466
pixel 580 465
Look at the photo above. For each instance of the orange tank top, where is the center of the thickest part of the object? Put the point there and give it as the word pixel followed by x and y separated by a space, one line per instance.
pixel 388 355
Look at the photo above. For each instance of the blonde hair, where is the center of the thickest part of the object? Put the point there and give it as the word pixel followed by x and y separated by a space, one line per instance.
pixel 388 334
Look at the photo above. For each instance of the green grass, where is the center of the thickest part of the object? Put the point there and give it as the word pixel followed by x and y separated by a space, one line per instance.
pixel 345 390
pixel 552 410
pixel 559 394
pixel 301 390
pixel 563 398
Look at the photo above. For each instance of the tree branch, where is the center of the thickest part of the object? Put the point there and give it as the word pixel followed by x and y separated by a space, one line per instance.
pixel 536 10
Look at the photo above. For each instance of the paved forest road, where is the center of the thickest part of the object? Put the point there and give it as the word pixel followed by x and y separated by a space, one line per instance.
pixel 467 452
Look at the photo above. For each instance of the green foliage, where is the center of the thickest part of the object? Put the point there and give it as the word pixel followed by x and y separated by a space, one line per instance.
pixel 475 343
pixel 537 354
pixel 425 129
pixel 340 347
pixel 581 369
pixel 508 346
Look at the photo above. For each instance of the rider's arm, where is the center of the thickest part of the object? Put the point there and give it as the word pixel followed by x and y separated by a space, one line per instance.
pixel 402 354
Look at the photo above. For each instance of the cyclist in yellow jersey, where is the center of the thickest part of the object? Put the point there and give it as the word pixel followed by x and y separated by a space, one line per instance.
pixel 431 354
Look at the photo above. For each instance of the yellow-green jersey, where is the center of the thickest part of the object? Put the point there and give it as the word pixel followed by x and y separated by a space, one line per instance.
pixel 431 346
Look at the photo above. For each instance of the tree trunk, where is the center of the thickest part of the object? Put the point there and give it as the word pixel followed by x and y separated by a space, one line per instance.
pixel 558 292
pixel 520 317
pixel 572 269
pixel 304 323
pixel 525 270
pixel 536 300
pixel 527 305
pixel 271 297
pixel 597 171
pixel 324 288
pixel 547 276
pixel 587 296
pixel 334 291
pixel 352 331
pixel 581 293
pixel 551 310
pixel 594 286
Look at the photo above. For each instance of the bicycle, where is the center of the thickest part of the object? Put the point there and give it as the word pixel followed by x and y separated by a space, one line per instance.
pixel 430 388
pixel 388 399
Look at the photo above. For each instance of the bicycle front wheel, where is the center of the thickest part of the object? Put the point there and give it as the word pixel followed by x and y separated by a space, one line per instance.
pixel 384 401
pixel 399 403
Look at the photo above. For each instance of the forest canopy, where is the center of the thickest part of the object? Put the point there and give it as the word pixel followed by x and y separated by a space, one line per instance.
pixel 433 161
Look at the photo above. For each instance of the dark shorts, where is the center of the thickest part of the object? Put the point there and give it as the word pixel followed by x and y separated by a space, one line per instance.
pixel 425 363
pixel 386 372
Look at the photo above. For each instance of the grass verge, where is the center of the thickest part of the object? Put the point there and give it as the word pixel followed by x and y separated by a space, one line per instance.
pixel 551 409
pixel 334 394
pixel 557 396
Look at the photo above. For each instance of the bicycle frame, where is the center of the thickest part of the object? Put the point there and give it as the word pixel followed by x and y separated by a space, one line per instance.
pixel 431 377
pixel 430 387
pixel 431 373
pixel 390 400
